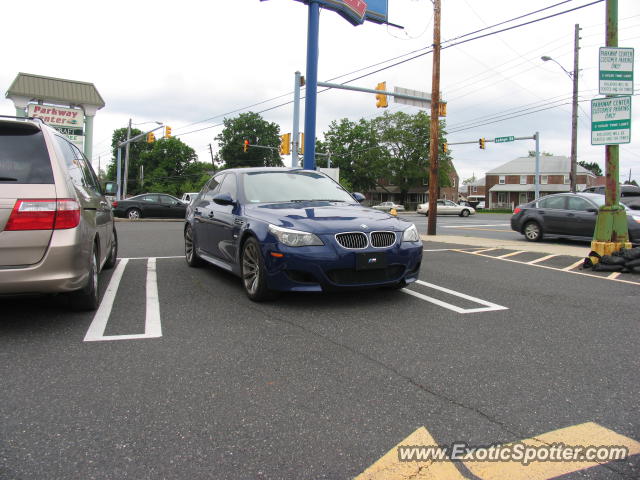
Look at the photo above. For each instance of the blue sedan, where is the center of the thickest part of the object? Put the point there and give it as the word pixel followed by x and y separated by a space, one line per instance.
pixel 282 229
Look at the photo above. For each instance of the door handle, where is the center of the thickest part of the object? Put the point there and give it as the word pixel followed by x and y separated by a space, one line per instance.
pixel 210 214
pixel 197 212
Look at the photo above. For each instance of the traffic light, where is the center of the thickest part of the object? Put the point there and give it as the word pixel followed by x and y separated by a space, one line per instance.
pixel 442 109
pixel 445 147
pixel 381 100
pixel 285 144
pixel 481 143
pixel 301 144
pixel 246 146
pixel 151 137
pixel 167 132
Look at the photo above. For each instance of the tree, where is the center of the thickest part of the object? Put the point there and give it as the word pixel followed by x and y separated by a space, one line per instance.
pixel 260 133
pixel 356 150
pixel 631 182
pixel 170 166
pixel 593 167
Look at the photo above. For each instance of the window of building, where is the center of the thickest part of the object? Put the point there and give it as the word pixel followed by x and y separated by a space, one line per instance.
pixel 502 180
pixel 502 197
pixel 474 189
pixel 523 179
pixel 566 180
pixel 544 179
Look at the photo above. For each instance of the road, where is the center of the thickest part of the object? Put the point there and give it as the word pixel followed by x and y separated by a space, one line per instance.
pixel 489 348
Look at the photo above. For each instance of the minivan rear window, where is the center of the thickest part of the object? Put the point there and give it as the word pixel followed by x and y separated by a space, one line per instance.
pixel 23 155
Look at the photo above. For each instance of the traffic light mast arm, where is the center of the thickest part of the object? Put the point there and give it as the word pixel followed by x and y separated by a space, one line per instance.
pixel 138 137
pixel 373 90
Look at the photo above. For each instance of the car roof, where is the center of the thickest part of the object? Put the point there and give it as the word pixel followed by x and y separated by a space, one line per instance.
pixel 264 169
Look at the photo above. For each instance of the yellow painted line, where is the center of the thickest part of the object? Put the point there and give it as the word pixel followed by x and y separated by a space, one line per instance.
pixel 613 276
pixel 511 254
pixel 586 434
pixel 541 259
pixel 389 467
pixel 630 282
pixel 484 250
pixel 571 267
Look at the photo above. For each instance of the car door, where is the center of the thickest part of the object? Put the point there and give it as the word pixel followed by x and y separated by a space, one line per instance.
pixel 451 208
pixel 223 221
pixel 580 220
pixel 203 216
pixel 552 210
pixel 149 205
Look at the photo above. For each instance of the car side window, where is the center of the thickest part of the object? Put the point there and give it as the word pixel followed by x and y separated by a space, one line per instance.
pixel 576 203
pixel 149 198
pixel 167 200
pixel 228 185
pixel 213 185
pixel 553 203
pixel 71 162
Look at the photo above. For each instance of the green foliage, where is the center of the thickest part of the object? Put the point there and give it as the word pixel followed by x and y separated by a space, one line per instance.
pixel 393 147
pixel 170 166
pixel 631 182
pixel 593 167
pixel 260 133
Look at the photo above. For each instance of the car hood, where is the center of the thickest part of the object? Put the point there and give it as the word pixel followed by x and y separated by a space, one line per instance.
pixel 325 217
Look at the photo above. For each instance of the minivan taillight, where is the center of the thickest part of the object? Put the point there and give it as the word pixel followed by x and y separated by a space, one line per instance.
pixel 44 214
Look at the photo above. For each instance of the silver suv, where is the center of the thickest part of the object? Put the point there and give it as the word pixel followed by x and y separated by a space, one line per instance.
pixel 56 226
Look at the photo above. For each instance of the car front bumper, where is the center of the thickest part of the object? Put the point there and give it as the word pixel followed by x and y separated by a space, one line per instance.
pixel 331 267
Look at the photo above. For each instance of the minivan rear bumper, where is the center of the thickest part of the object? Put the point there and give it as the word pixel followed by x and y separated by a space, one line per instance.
pixel 62 269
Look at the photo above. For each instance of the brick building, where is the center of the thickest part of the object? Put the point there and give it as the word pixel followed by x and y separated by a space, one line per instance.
pixel 513 183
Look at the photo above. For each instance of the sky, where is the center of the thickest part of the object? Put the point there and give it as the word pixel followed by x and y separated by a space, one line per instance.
pixel 190 64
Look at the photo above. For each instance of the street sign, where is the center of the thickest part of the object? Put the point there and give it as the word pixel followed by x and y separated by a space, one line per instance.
pixel 504 139
pixel 426 103
pixel 611 120
pixel 357 12
pixel 616 71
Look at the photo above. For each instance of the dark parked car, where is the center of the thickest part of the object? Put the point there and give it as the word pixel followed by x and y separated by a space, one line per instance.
pixel 282 229
pixel 629 194
pixel 566 215
pixel 159 205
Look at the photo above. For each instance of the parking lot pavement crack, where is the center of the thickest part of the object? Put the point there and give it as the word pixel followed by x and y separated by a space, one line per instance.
pixel 396 372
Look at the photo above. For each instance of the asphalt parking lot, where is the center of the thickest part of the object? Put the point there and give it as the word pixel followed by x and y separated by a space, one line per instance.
pixel 179 375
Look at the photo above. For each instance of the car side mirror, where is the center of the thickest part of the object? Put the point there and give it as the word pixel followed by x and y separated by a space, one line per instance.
pixel 110 188
pixel 223 199
pixel 358 197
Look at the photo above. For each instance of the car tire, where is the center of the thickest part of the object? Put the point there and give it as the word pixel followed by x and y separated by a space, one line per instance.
pixel 465 213
pixel 532 231
pixel 86 299
pixel 133 214
pixel 113 253
pixel 253 272
pixel 190 253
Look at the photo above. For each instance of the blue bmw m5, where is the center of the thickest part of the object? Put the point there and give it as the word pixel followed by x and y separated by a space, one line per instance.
pixel 283 229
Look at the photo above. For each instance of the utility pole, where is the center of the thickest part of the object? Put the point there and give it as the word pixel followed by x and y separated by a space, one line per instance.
pixel 211 152
pixel 611 231
pixel 126 162
pixel 574 112
pixel 296 119
pixel 435 121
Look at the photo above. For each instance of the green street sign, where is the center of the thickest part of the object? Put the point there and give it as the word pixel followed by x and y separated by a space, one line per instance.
pixel 616 71
pixel 504 139
pixel 611 120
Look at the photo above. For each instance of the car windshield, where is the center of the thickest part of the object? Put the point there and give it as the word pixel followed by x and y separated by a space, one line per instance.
pixel 291 186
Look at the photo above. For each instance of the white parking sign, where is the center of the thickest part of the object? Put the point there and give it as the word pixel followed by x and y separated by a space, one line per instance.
pixel 611 120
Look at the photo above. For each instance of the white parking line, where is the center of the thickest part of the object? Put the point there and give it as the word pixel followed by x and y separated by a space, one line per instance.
pixel 152 327
pixel 541 259
pixel 506 255
pixel 488 306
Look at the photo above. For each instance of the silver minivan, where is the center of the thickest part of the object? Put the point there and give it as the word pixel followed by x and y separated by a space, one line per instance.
pixel 56 227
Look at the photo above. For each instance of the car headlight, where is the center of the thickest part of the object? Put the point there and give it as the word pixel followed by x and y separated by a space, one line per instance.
pixel 411 234
pixel 294 238
pixel 636 218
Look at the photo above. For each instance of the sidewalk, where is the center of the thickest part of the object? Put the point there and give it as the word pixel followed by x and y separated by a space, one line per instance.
pixel 523 245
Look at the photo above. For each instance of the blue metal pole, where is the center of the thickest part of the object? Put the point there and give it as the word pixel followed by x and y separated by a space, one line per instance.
pixel 313 31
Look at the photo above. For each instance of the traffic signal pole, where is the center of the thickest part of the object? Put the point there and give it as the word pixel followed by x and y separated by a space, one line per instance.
pixel 612 232
pixel 311 78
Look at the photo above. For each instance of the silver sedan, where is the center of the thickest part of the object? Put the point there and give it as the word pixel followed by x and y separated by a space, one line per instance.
pixel 387 206
pixel 447 207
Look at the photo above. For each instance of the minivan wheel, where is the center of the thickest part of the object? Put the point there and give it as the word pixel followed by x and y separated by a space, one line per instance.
pixel 113 253
pixel 190 253
pixel 253 272
pixel 532 231
pixel 87 297
pixel 133 214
